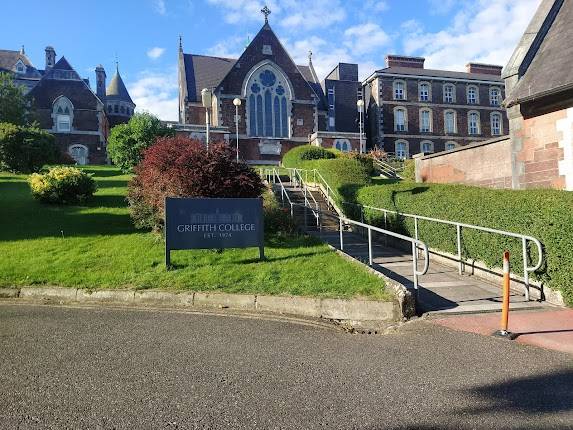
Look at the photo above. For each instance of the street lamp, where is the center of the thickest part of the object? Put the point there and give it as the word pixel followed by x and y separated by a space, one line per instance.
pixel 237 103
pixel 360 105
pixel 207 100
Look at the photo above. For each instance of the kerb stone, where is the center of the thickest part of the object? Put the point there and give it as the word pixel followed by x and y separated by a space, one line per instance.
pixel 221 300
pixel 289 305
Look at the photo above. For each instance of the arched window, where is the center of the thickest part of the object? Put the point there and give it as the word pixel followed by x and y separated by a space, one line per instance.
pixel 268 102
pixel 494 96
pixel 449 93
pixel 79 153
pixel 63 114
pixel 427 146
pixel 474 126
pixel 496 124
pixel 399 90
pixel 342 145
pixel 401 149
pixel 472 95
pixel 400 119
pixel 450 122
pixel 425 120
pixel 451 145
pixel 424 92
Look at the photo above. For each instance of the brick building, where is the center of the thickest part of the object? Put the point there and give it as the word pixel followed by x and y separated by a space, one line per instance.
pixel 282 104
pixel 411 109
pixel 64 104
pixel 538 153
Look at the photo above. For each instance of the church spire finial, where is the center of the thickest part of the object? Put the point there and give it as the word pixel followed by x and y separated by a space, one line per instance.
pixel 266 12
pixel 22 51
pixel 180 43
pixel 309 57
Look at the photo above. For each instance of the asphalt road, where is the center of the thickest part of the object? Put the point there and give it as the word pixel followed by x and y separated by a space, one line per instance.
pixel 66 367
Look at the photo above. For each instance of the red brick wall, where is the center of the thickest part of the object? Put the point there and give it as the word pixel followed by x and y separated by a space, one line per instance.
pixel 539 155
pixel 485 164
pixel 306 113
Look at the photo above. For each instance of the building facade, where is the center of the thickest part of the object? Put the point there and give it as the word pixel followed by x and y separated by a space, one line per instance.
pixel 282 104
pixel 413 110
pixel 64 104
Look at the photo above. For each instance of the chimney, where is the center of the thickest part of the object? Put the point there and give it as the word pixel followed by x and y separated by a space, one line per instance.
pixel 403 61
pixel 100 82
pixel 50 57
pixel 484 69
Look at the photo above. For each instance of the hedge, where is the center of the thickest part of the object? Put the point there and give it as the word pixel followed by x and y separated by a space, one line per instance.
pixel 544 214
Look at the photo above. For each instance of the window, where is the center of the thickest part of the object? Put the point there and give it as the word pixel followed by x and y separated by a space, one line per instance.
pixel 451 145
pixel 122 109
pixel 110 108
pixel 62 113
pixel 400 119
pixel 268 100
pixel 116 109
pixel 496 124
pixel 424 91
pixel 79 153
pixel 473 95
pixel 342 145
pixel 399 90
pixel 427 146
pixel 401 149
pixel 20 67
pixel 450 122
pixel 494 96
pixel 449 93
pixel 425 120
pixel 331 122
pixel 473 123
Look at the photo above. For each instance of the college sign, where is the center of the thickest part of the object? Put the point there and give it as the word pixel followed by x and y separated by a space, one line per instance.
pixel 203 223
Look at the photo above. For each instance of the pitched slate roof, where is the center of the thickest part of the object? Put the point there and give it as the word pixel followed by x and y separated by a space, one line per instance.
pixel 439 73
pixel 549 71
pixel 116 89
pixel 8 60
pixel 202 71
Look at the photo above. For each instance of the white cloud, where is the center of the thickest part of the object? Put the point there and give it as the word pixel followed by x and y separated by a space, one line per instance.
pixel 160 7
pixel 157 92
pixel 155 53
pixel 376 6
pixel 483 31
pixel 365 38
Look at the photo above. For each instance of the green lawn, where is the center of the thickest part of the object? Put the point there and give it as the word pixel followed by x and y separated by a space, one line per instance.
pixel 96 246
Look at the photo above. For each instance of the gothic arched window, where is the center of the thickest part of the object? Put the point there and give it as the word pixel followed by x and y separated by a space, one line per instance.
pixel 63 114
pixel 268 99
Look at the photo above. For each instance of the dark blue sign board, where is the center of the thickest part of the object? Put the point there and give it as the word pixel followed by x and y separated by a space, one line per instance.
pixel 203 223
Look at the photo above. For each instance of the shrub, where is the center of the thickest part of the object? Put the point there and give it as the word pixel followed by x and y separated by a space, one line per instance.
pixel 277 219
pixel 182 167
pixel 544 214
pixel 26 149
pixel 364 159
pixel 66 159
pixel 409 172
pixel 128 141
pixel 298 155
pixel 62 185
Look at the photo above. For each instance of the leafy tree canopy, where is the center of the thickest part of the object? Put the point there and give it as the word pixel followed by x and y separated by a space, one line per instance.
pixel 13 102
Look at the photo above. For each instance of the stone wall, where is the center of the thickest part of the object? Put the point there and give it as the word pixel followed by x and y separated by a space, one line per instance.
pixel 485 164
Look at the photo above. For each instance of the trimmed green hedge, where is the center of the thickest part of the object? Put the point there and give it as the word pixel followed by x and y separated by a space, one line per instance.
pixel 304 153
pixel 544 214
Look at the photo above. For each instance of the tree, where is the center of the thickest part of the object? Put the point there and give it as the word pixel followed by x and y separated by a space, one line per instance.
pixel 127 141
pixel 182 167
pixel 26 149
pixel 13 102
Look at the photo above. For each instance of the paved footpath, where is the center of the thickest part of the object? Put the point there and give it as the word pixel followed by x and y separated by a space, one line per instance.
pixel 110 368
pixel 552 329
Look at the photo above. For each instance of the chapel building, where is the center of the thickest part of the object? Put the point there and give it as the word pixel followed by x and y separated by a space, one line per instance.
pixel 282 104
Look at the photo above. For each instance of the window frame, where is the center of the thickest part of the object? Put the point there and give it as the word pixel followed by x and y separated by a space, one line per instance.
pixel 401 109
pixel 429 95
pixel 476 88
pixel 498 98
pixel 450 142
pixel 500 116
pixel 455 114
pixel 453 87
pixel 404 89
pixel 430 120
pixel 470 113
pixel 424 142
pixel 407 149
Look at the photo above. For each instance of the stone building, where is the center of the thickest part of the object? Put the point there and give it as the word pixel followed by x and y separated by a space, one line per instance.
pixel 282 104
pixel 538 153
pixel 413 110
pixel 64 104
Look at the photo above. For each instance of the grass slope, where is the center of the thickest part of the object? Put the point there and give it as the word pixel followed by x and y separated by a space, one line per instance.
pixel 96 246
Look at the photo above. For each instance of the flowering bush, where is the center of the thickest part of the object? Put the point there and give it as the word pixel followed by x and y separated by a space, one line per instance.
pixel 182 167
pixel 62 185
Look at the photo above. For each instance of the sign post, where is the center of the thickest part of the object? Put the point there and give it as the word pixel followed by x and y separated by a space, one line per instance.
pixel 205 223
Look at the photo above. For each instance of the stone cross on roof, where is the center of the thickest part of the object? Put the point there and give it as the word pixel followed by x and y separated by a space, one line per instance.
pixel 266 12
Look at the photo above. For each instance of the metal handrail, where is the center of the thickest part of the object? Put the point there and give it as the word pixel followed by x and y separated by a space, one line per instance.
pixel 387 169
pixel 416 243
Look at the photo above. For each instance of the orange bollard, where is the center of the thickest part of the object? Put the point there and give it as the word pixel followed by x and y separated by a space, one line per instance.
pixel 503 332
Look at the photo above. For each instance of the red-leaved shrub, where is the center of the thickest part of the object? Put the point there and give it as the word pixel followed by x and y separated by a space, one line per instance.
pixel 182 167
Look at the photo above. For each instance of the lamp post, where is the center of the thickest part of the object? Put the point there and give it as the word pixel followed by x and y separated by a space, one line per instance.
pixel 360 105
pixel 237 103
pixel 207 99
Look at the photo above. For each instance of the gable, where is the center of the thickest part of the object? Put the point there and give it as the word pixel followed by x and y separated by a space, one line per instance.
pixel 201 71
pixel 265 47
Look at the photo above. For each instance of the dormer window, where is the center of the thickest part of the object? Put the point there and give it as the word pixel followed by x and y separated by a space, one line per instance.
pixel 20 67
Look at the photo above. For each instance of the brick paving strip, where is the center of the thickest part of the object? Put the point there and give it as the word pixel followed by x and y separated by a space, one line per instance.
pixel 355 313
pixel 551 329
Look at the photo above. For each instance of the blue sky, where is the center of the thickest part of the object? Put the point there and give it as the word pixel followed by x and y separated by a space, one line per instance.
pixel 144 34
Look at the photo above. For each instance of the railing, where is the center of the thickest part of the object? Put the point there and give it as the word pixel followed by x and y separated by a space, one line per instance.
pixel 459 226
pixel 296 175
pixel 386 169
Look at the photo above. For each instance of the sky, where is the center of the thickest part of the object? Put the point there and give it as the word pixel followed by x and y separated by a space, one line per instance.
pixel 143 35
